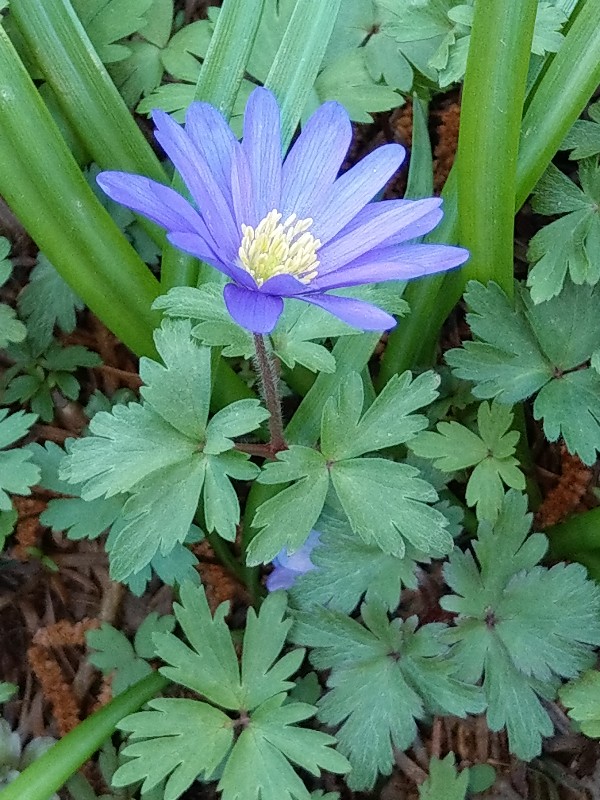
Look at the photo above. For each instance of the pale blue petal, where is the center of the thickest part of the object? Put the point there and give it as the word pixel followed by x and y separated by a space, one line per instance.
pixel 262 147
pixel 244 208
pixel 357 313
pixel 214 140
pixel 252 310
pixel 372 227
pixel 200 181
pixel 398 262
pixel 281 578
pixel 315 159
pixel 154 200
pixel 353 190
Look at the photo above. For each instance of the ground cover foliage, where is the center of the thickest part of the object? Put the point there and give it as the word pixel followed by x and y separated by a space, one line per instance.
pixel 330 550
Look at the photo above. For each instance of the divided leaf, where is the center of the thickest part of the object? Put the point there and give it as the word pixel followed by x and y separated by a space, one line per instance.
pixel 47 300
pixel 456 447
pixel 17 471
pixel 165 454
pixel 444 781
pixel 108 21
pixel 183 739
pixel 538 349
pixel 113 653
pixel 570 244
pixel 385 502
pixel 384 676
pixel 582 698
pixel 584 137
pixel 520 626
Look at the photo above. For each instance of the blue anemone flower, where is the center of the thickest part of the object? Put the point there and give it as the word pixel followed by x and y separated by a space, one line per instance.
pixel 286 228
pixel 289 567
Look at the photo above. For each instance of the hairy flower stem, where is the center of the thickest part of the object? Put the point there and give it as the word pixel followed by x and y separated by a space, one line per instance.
pixel 270 393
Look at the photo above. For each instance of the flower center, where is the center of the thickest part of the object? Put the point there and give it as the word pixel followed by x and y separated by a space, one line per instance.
pixel 279 248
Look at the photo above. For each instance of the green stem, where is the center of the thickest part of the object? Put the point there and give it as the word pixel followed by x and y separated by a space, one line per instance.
pixel 48 773
pixel 352 354
pixel 85 92
pixel 44 187
pixel 559 99
pixel 490 123
pixel 223 553
pixel 580 533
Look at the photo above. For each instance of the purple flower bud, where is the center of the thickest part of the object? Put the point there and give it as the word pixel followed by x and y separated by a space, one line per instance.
pixel 287 568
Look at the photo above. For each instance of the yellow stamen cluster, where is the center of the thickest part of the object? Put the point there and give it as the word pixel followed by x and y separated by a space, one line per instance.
pixel 279 248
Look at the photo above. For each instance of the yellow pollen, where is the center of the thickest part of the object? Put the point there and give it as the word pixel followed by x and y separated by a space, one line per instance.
pixel 279 248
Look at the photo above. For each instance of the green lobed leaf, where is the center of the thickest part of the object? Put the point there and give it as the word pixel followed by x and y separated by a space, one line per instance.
pixel 113 653
pixel 582 698
pixel 571 244
pixel 46 301
pixel 444 781
pixel 185 739
pixel 520 626
pixel 384 501
pixel 299 504
pixel 584 137
pixel 182 739
pixel 17 471
pixel 155 451
pixel 384 676
pixel 11 329
pixel 272 742
pixel 347 569
pixel 456 447
pixel 537 349
pixel 108 21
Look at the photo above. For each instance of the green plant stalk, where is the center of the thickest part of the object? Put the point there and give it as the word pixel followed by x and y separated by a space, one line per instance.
pixel 352 354
pixel 578 534
pixel 85 92
pixel 559 99
pixel 108 131
pixel 55 767
pixel 490 124
pixel 219 82
pixel 43 185
pixel 297 61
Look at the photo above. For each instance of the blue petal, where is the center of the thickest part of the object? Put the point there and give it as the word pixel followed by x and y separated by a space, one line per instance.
pixel 284 286
pixel 252 310
pixel 372 227
pixel 244 208
pixel 262 147
pixel 315 159
pixel 353 190
pixel 357 313
pixel 208 195
pixel 214 140
pixel 397 262
pixel 281 578
pixel 196 246
pixel 155 201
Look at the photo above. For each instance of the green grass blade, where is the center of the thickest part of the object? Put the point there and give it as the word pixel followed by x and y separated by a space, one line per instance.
pixel 51 771
pixel 43 185
pixel 87 96
pixel 298 59
pixel 219 82
pixel 559 99
pixel 490 128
